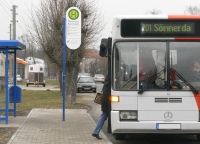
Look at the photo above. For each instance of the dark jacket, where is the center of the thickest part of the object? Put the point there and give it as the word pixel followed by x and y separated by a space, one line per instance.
pixel 104 101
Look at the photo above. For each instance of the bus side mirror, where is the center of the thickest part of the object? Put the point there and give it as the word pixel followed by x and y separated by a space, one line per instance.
pixel 103 47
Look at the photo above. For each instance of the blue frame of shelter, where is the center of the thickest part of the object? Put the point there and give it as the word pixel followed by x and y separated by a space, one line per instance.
pixel 10 47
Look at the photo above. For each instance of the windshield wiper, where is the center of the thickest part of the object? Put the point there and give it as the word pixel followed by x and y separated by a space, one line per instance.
pixel 128 81
pixel 187 83
pixel 152 80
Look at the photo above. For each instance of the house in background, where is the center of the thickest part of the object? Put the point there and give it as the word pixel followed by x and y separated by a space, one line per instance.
pixel 90 56
pixel 20 65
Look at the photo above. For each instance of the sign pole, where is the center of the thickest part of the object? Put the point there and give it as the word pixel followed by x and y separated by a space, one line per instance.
pixel 71 38
pixel 64 69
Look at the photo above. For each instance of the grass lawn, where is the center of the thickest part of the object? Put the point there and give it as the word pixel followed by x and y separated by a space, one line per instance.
pixel 40 99
pixel 45 99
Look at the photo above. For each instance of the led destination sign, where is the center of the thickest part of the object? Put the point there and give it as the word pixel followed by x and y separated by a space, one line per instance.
pixel 167 27
pixel 160 28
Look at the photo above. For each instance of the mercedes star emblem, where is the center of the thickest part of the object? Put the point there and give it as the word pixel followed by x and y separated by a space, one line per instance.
pixel 168 115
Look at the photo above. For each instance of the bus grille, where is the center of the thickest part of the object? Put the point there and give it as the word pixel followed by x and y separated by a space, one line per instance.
pixel 168 100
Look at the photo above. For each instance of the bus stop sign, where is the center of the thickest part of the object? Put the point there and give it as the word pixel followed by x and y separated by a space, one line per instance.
pixel 73 28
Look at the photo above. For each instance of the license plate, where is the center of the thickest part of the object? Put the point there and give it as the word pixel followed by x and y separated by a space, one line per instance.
pixel 86 88
pixel 168 126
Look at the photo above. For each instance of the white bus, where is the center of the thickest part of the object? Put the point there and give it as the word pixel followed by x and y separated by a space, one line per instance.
pixel 154 74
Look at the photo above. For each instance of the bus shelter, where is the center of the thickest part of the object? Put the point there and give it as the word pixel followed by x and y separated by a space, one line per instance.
pixel 10 95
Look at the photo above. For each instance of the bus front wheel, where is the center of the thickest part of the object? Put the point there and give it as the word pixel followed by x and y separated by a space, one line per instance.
pixel 120 136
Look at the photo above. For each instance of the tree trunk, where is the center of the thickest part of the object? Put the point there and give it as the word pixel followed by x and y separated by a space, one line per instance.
pixel 71 85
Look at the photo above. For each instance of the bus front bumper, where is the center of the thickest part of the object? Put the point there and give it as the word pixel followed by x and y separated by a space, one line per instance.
pixel 161 127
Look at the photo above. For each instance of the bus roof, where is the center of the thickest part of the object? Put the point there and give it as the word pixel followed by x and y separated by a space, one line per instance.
pixel 189 17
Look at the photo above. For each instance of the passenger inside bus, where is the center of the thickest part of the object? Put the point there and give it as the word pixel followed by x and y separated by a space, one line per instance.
pixel 196 70
pixel 196 67
pixel 191 75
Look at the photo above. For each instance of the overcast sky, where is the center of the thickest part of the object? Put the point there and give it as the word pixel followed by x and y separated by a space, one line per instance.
pixel 109 8
pixel 23 7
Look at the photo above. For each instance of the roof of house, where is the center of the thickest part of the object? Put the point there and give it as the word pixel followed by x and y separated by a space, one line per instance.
pixel 90 54
pixel 21 61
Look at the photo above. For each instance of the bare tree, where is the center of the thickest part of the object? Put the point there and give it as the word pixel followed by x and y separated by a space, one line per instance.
pixel 97 67
pixel 48 32
pixel 154 12
pixel 30 47
pixel 194 10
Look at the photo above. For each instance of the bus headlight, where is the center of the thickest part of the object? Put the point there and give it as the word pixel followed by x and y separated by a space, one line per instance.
pixel 128 115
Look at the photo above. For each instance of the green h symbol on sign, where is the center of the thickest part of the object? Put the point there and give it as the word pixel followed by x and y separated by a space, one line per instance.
pixel 73 14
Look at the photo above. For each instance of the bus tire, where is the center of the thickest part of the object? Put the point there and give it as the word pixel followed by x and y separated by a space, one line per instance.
pixel 43 85
pixel 198 137
pixel 120 136
pixel 26 85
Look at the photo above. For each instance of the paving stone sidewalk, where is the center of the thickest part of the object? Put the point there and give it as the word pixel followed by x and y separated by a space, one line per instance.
pixel 45 126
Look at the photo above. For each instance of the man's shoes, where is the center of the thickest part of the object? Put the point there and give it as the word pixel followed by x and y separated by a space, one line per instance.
pixel 97 136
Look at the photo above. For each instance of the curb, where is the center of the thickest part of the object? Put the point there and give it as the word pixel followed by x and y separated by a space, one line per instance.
pixel 12 138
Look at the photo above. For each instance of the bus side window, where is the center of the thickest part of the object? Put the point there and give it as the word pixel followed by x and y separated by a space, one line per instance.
pixel 125 72
pixel 122 67
pixel 118 69
pixel 133 70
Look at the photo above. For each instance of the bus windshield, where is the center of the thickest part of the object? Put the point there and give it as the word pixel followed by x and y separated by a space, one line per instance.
pixel 165 65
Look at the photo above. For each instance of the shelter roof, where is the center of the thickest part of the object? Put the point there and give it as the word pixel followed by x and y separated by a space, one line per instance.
pixel 12 44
